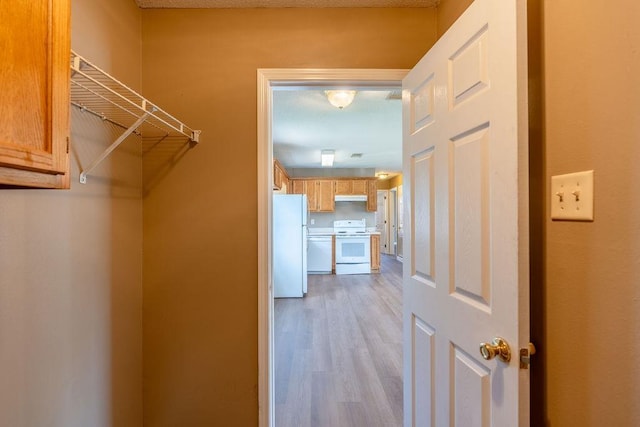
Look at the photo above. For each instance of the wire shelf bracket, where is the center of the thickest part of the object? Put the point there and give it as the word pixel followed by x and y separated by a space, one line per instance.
pixel 96 92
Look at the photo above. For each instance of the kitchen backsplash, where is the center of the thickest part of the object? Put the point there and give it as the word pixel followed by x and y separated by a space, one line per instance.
pixel 344 210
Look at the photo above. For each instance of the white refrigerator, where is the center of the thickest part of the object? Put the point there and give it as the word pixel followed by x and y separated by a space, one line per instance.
pixel 289 245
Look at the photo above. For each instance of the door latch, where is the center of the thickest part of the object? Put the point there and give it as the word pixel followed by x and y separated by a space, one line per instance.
pixel 525 355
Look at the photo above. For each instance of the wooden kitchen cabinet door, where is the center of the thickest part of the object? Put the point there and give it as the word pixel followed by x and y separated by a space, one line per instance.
pixel 343 186
pixel 298 186
pixel 351 186
pixel 372 195
pixel 326 199
pixel 34 105
pixel 359 186
pixel 375 252
pixel 311 188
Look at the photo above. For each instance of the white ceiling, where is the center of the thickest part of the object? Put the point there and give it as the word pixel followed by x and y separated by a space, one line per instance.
pixel 230 4
pixel 304 124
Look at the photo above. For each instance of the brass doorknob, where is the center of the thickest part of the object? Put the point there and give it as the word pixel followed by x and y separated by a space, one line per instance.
pixel 498 347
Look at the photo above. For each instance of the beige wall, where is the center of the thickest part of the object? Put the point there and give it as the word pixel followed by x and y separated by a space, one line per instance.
pixel 585 276
pixel 70 265
pixel 200 218
pixel 389 183
pixel 449 11
pixel 592 280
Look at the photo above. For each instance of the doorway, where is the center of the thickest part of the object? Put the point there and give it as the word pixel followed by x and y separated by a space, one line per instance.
pixel 268 79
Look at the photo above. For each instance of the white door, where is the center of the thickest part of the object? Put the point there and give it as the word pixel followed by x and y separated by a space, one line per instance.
pixel 466 238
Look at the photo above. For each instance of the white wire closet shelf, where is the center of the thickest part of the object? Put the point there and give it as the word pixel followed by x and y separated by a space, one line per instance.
pixel 96 92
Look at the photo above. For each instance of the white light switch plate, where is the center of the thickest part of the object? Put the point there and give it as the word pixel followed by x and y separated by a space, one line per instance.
pixel 572 196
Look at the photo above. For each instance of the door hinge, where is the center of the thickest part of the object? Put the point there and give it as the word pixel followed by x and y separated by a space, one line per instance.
pixel 525 355
pixel 67 145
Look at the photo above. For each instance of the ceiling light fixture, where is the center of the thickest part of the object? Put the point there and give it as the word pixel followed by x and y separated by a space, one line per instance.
pixel 326 158
pixel 383 175
pixel 340 98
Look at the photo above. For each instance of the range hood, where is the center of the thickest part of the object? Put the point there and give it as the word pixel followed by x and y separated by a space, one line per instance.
pixel 351 198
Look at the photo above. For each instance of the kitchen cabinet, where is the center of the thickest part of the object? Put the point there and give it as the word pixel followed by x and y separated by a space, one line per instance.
pixel 319 193
pixel 298 186
pixel 372 195
pixel 326 198
pixel 280 177
pixel 351 186
pixel 311 190
pixel 34 106
pixel 375 253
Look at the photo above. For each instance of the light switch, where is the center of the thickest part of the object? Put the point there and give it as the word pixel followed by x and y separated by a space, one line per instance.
pixel 572 196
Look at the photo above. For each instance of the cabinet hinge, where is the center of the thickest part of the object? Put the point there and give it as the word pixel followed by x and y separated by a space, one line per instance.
pixel 525 355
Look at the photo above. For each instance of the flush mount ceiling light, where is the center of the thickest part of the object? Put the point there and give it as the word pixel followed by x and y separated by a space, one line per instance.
pixel 326 158
pixel 340 98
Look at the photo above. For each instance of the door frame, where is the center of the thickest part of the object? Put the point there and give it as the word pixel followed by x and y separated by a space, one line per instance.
pixel 268 78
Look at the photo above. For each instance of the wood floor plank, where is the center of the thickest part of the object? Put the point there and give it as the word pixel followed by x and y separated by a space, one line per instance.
pixel 338 351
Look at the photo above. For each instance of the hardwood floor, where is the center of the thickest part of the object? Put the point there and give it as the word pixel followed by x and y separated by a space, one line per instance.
pixel 338 351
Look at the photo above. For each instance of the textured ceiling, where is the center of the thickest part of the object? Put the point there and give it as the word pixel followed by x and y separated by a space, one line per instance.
pixel 304 124
pixel 230 4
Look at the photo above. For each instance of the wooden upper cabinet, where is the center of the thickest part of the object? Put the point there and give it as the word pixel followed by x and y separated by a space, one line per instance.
pixel 280 177
pixel 343 186
pixel 351 186
pixel 311 189
pixel 319 193
pixel 326 199
pixel 298 186
pixel 359 186
pixel 372 195
pixel 34 105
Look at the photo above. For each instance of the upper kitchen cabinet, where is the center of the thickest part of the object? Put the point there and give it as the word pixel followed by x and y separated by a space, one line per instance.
pixel 326 198
pixel 34 106
pixel 372 195
pixel 351 187
pixel 280 177
pixel 320 194
pixel 298 186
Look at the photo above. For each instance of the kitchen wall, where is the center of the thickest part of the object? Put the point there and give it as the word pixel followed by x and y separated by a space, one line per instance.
pixel 584 292
pixel 344 210
pixel 200 219
pixel 389 183
pixel 71 264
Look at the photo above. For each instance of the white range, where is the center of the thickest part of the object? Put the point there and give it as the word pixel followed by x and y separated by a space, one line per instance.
pixel 353 247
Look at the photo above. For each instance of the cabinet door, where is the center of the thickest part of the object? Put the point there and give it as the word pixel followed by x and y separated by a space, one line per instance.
pixel 326 199
pixel 34 105
pixel 311 188
pixel 298 186
pixel 359 186
pixel 277 177
pixel 372 195
pixel 375 252
pixel 343 186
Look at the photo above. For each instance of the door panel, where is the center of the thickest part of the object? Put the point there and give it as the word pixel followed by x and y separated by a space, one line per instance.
pixel 423 361
pixel 465 215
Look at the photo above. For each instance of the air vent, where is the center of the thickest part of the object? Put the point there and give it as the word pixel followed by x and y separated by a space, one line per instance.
pixel 395 95
pixel 356 155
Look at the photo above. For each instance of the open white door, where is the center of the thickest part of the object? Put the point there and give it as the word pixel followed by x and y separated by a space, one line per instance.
pixel 466 223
